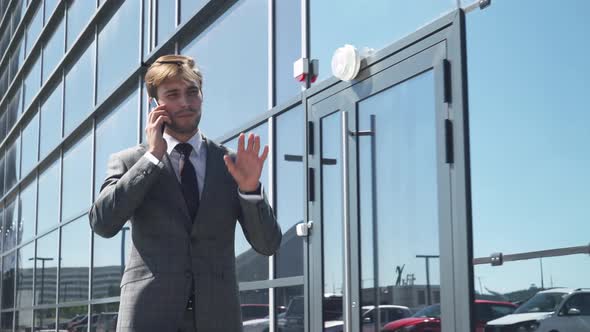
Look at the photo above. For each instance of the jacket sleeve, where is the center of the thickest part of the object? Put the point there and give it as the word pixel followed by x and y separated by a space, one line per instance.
pixel 260 225
pixel 121 193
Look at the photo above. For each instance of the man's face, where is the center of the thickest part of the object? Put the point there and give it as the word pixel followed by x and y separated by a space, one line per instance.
pixel 183 103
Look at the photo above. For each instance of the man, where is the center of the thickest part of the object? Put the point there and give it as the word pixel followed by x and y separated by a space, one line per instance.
pixel 183 194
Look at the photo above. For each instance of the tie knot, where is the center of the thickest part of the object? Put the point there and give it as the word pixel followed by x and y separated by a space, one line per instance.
pixel 184 148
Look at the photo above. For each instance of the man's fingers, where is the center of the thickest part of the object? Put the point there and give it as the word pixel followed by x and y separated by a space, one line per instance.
pixel 153 116
pixel 250 142
pixel 264 154
pixel 256 144
pixel 241 143
pixel 162 119
pixel 231 167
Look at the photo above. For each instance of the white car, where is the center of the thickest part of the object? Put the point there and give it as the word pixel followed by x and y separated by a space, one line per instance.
pixel 526 318
pixel 572 315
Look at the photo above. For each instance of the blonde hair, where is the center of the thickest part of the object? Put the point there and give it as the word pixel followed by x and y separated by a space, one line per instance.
pixel 169 67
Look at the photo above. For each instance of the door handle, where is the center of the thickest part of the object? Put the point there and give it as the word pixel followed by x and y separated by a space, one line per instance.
pixel 303 228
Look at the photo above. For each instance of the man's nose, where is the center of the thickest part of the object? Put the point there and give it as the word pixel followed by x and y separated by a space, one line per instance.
pixel 183 101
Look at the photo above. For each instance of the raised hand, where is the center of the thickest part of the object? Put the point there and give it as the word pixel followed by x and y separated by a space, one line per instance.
pixel 247 168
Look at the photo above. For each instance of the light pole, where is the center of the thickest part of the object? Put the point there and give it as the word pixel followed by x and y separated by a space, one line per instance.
pixel 427 258
pixel 42 259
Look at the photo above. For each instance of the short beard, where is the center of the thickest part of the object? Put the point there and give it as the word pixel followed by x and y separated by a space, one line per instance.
pixel 173 127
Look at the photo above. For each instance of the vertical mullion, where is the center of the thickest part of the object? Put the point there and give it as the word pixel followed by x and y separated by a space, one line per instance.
pixel 272 200
pixel 141 31
pixel 95 69
pixel 305 47
pixel 177 14
pixel 271 54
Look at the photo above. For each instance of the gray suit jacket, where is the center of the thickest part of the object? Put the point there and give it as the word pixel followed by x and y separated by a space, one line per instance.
pixel 169 251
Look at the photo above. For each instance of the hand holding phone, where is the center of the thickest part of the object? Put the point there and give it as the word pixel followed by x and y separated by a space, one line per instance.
pixel 156 143
pixel 153 105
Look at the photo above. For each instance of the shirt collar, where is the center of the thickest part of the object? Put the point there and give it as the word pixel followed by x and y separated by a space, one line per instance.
pixel 196 141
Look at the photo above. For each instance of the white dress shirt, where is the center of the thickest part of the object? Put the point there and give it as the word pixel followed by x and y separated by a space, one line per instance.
pixel 199 160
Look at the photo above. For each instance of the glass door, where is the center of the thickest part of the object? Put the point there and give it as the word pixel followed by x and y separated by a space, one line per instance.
pixel 386 251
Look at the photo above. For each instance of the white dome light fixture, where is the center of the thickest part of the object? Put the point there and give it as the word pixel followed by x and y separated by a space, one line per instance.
pixel 346 63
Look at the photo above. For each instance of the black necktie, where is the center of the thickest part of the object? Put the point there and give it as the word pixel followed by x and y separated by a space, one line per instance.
pixel 188 179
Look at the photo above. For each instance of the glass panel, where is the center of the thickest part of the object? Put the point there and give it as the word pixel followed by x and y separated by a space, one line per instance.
pixel 3 82
pixel 287 48
pixel 115 132
pixel 121 33
pixel 24 277
pixel 188 8
pixel 34 27
pixel 4 41
pixel 73 318
pixel 251 265
pixel 146 28
pixel 290 189
pixel 14 109
pixel 50 6
pixel 46 269
pixel 75 261
pixel 3 131
pixel 290 311
pixel 51 121
pixel 49 180
pixel 399 203
pixel 53 51
pixel 79 14
pixel 332 234
pixel 534 197
pixel 79 100
pixel 24 320
pixel 30 143
pixel 254 305
pixel 32 83
pixel 166 12
pixel 18 12
pixel 109 263
pixel 44 320
pixel 10 224
pixel 1 227
pixel 2 174
pixel 8 276
pixel 242 27
pixel 16 59
pixel 7 320
pixel 77 164
pixel 28 209
pixel 383 22
pixel 12 164
pixel 104 317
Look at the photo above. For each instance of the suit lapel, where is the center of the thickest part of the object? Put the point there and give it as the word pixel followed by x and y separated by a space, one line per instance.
pixel 211 164
pixel 169 185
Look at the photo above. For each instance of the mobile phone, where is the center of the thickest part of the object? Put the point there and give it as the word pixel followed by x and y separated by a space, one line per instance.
pixel 154 104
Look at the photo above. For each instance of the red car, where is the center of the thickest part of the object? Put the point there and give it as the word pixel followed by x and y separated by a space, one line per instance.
pixel 428 319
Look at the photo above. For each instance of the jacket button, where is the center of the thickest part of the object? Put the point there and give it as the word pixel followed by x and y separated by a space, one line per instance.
pixel 188 274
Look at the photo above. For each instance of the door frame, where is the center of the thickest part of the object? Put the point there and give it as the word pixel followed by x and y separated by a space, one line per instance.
pixel 439 46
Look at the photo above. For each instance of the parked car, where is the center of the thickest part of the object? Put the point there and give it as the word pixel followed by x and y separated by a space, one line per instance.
pixel 526 318
pixel 572 315
pixel 387 312
pixel 428 319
